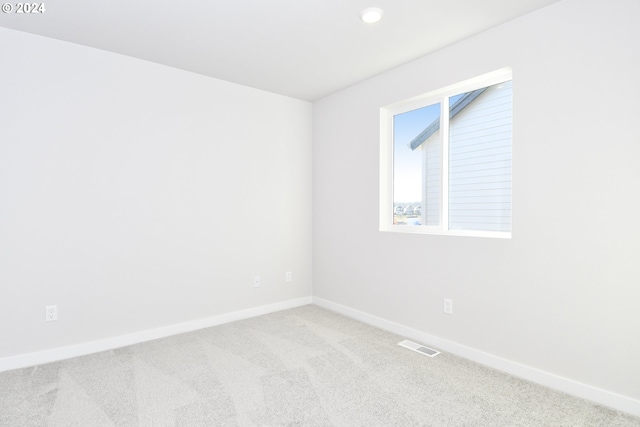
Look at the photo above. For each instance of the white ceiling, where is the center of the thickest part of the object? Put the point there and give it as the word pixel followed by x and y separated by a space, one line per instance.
pixel 305 49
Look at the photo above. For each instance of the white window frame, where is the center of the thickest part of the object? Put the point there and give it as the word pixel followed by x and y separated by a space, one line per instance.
pixel 386 155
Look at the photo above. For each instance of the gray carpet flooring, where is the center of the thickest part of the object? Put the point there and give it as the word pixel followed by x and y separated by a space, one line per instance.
pixel 301 367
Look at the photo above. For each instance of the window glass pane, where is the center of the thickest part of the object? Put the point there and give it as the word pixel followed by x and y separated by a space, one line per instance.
pixel 480 159
pixel 416 166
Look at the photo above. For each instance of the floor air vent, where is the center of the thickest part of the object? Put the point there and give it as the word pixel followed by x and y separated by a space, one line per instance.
pixel 419 348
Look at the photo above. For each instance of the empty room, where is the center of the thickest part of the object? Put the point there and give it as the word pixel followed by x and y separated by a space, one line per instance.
pixel 320 213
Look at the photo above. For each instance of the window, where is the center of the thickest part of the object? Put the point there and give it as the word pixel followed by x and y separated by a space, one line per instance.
pixel 446 160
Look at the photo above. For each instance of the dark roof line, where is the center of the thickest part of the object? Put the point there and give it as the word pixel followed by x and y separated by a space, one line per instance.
pixel 458 106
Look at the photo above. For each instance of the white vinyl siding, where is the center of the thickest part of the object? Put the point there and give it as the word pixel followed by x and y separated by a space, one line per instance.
pixel 432 183
pixel 480 163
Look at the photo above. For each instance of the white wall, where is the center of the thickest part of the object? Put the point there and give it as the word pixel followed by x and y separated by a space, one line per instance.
pixel 562 295
pixel 135 196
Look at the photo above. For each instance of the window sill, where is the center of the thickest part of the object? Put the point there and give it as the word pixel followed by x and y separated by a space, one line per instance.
pixel 409 229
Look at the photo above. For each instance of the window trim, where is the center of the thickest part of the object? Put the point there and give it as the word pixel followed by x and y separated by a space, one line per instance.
pixel 386 155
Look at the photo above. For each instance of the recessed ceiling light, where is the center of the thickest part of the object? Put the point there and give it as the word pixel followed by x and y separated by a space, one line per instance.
pixel 371 15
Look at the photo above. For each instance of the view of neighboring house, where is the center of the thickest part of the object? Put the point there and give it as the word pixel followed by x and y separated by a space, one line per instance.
pixel 480 120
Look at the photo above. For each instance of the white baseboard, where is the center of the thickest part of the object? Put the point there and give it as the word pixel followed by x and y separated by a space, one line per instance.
pixel 61 353
pixel 584 391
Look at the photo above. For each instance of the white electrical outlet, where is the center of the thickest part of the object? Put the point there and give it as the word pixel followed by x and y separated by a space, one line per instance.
pixel 287 276
pixel 51 312
pixel 448 306
pixel 256 281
